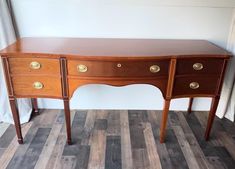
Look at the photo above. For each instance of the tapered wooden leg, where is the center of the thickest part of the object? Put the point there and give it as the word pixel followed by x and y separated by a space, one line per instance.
pixel 16 119
pixel 164 120
pixel 190 105
pixel 67 120
pixel 211 117
pixel 35 105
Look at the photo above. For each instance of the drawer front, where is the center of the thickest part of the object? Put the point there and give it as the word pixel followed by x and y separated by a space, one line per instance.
pixel 199 66
pixel 34 66
pixel 184 86
pixel 39 86
pixel 118 69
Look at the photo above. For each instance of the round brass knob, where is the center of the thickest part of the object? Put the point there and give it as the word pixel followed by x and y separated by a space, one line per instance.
pixel 35 65
pixel 194 85
pixel 82 68
pixel 197 66
pixel 38 85
pixel 154 68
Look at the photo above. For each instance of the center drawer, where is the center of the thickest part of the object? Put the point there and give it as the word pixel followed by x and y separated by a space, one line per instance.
pixel 118 68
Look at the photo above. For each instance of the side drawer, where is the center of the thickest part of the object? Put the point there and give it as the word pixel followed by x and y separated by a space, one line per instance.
pixel 199 66
pixel 34 66
pixel 37 86
pixel 185 86
pixel 118 68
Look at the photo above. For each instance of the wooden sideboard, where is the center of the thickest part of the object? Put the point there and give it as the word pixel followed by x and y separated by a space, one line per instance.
pixel 56 67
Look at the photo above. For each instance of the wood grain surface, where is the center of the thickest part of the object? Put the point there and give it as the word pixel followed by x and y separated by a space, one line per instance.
pixel 207 86
pixel 49 67
pixel 23 86
pixel 90 47
pixel 210 66
pixel 118 68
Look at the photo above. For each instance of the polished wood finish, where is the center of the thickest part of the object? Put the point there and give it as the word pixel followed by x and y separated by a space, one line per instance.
pixel 12 100
pixel 179 68
pixel 75 83
pixel 164 120
pixel 7 76
pixel 68 120
pixel 23 86
pixel 22 66
pixel 211 66
pixel 35 105
pixel 214 104
pixel 221 78
pixel 190 105
pixel 16 119
pixel 113 48
pixel 64 82
pixel 118 68
pixel 167 101
pixel 64 79
pixel 207 86
pixel 171 81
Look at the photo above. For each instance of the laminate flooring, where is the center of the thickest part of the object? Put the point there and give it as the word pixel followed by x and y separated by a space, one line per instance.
pixel 118 139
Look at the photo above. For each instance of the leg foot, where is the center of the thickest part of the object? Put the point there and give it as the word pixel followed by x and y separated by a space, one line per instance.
pixel 69 142
pixel 190 105
pixel 211 117
pixel 35 106
pixel 164 120
pixel 20 141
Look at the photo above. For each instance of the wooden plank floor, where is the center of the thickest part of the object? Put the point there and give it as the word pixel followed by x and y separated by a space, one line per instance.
pixel 104 139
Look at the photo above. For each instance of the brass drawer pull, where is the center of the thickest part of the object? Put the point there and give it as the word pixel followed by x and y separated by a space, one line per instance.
pixel 35 65
pixel 38 85
pixel 194 85
pixel 154 68
pixel 82 68
pixel 197 66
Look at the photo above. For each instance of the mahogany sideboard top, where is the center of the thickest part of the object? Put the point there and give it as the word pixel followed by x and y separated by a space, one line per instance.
pixel 56 67
pixel 113 48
